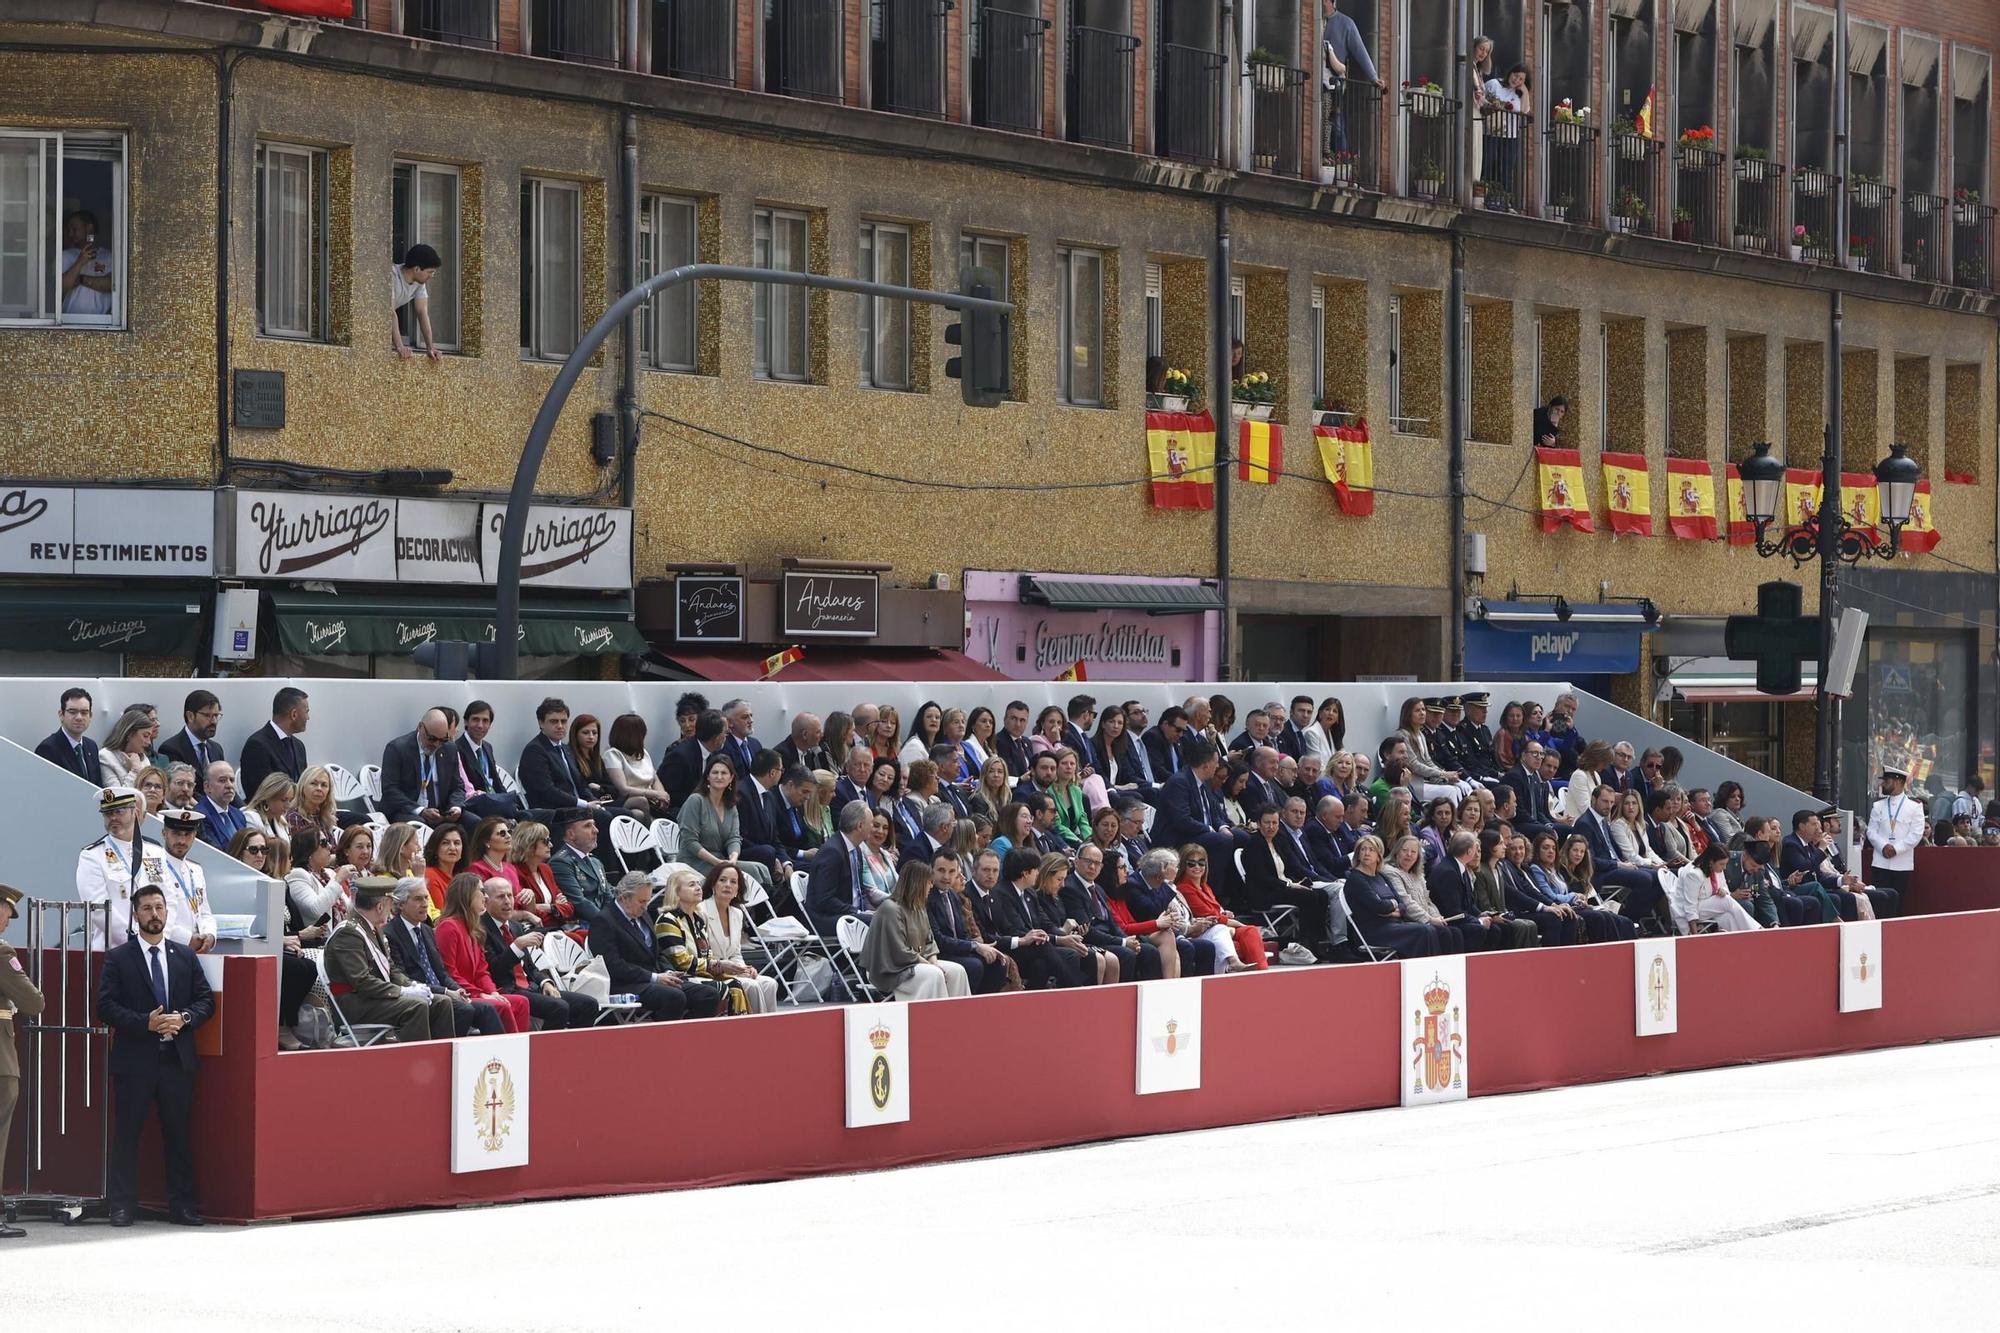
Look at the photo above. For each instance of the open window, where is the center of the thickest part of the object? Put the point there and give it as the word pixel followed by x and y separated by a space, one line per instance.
pixel 62 194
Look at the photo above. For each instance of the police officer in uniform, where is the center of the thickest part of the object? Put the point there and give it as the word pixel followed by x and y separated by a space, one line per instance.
pixel 18 997
pixel 117 865
pixel 1475 739
pixel 189 920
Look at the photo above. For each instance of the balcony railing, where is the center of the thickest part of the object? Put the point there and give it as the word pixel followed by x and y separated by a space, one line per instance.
pixel 1100 86
pixel 1697 192
pixel 1813 209
pixel 1277 117
pixel 1635 194
pixel 465 22
pixel 803 43
pixel 1972 246
pixel 1927 237
pixel 1569 172
pixel 1352 133
pixel 1007 69
pixel 1871 215
pixel 1759 186
pixel 1430 164
pixel 1503 150
pixel 695 39
pixel 907 56
pixel 585 31
pixel 1190 104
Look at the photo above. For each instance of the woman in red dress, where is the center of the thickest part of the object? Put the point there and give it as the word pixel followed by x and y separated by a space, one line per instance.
pixel 461 940
pixel 491 846
pixel 1201 900
pixel 443 855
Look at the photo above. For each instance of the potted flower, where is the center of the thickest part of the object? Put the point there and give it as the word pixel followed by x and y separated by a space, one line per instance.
pixel 1798 243
pixel 1567 122
pixel 1920 204
pixel 1631 143
pixel 1424 97
pixel 1430 179
pixel 1965 207
pixel 1971 272
pixel 1868 191
pixel 1750 236
pixel 1816 248
pixel 1267 70
pixel 1700 139
pixel 1750 162
pixel 1255 396
pixel 1181 389
pixel 1629 211
pixel 1915 261
pixel 1559 207
pixel 1684 225
pixel 1343 162
pixel 1858 250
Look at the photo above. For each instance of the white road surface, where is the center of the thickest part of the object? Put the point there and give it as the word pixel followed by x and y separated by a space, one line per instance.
pixel 1855 1192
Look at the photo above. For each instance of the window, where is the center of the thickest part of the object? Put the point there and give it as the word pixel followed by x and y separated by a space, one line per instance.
pixel 426 211
pixel 669 236
pixel 1080 327
pixel 291 242
pixel 551 268
pixel 1397 421
pixel 61 193
pixel 1319 347
pixel 778 323
pixel 885 323
pixel 1156 315
pixel 992 253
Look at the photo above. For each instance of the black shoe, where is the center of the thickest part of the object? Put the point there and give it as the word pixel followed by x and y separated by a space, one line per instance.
pixel 186 1217
pixel 121 1217
pixel 10 1233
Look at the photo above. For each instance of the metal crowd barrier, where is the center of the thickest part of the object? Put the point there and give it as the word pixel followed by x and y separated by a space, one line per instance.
pixel 60 962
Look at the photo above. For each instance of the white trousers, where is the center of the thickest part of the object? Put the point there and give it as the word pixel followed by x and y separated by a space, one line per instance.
pixel 763 993
pixel 1727 914
pixel 935 981
pixel 1224 940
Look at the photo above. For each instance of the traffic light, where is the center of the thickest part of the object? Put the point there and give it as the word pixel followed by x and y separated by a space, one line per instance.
pixel 452 659
pixel 986 361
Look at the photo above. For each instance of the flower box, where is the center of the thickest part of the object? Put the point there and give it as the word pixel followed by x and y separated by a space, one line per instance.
pixel 1750 168
pixel 1428 188
pixel 1907 272
pixel 1966 215
pixel 1859 263
pixel 1566 132
pixel 1251 411
pixel 1169 402
pixel 1558 212
pixel 1426 104
pixel 1343 173
pixel 1268 78
pixel 1632 147
pixel 1798 254
pixel 1621 223
pixel 1694 159
pixel 1684 232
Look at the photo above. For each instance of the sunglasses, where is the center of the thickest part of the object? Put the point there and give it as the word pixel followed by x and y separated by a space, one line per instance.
pixel 253 849
pixel 1192 865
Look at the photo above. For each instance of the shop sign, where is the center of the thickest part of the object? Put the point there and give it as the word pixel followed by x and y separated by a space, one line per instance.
pixel 830 605
pixel 1109 642
pixel 708 608
pixel 1551 649
pixel 136 533
pixel 567 546
pixel 1034 643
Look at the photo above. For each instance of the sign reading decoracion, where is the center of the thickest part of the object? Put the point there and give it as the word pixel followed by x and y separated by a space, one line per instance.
pixel 830 605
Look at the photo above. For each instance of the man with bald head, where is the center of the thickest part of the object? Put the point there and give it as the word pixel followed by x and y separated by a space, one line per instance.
pixel 421 782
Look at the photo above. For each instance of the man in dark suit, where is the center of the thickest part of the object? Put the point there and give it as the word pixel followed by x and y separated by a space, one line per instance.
pixel 1186 805
pixel 685 761
pixel 1354 825
pixel 1323 838
pixel 950 761
pixel 1291 738
pixel 985 972
pixel 835 872
pixel 1637 887
pixel 482 768
pixel 1132 838
pixel 68 747
pixel 195 744
pixel 1554 922
pixel 413 946
pixel 1264 787
pixel 1011 741
pixel 1016 931
pixel 623 937
pixel 934 835
pixel 1531 792
pixel 803 746
pixel 1810 863
pixel 222 817
pixel 1475 739
pixel 515 972
pixel 1084 902
pixel 1041 775
pixel 1450 886
pixel 852 785
pixel 152 996
pixel 756 788
pixel 549 773
pixel 420 774
pixel 737 719
pixel 795 839
pixel 1256 731
pixel 1297 849
pixel 1081 713
pixel 276 748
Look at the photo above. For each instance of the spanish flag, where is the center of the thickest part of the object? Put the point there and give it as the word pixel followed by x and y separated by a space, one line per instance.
pixel 1690 500
pixel 1920 533
pixel 1560 480
pixel 1628 494
pixel 1074 673
pixel 777 662
pixel 1857 503
pixel 1180 451
pixel 1801 497
pixel 1643 122
pixel 1742 532
pixel 1260 451
pixel 1349 460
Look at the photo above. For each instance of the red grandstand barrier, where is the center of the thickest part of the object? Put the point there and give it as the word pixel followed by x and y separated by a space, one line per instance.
pixel 1955 879
pixel 357 1131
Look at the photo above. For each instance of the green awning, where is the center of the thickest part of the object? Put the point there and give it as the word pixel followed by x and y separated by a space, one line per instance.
pixel 164 623
pixel 361 624
pixel 1155 599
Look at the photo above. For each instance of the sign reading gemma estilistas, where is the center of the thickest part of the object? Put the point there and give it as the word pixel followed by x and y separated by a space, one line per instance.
pixel 830 605
pixel 708 608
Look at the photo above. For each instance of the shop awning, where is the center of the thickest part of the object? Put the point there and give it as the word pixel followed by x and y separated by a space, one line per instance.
pixel 1716 680
pixel 920 664
pixel 1513 613
pixel 1155 599
pixel 158 622
pixel 312 624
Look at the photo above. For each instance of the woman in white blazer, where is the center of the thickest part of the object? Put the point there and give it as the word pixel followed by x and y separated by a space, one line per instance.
pixel 726 921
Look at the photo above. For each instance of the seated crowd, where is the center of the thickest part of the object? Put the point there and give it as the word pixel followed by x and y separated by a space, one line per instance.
pixel 1076 846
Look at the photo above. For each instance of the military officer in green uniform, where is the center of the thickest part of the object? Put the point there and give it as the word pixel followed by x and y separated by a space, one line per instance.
pixel 18 996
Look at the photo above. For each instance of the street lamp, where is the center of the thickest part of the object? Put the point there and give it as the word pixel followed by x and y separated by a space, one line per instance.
pixel 1896 479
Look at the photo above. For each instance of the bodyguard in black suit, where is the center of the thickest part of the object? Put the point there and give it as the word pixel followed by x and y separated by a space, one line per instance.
pixel 69 748
pixel 152 996
pixel 195 744
pixel 276 748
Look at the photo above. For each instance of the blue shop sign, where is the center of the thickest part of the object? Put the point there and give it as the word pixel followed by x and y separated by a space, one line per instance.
pixel 1550 648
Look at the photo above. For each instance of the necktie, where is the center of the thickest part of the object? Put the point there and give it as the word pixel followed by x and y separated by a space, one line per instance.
pixel 854 853
pixel 159 975
pixel 423 954
pixel 76 753
pixel 569 770
pixel 485 767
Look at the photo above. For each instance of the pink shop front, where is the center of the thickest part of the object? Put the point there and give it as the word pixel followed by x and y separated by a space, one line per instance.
pixel 1032 626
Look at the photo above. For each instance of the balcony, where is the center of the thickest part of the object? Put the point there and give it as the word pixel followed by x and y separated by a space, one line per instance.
pixel 1759 185
pixel 1569 172
pixel 1697 193
pixel 1971 244
pixel 1813 210
pixel 1277 117
pixel 1352 151
pixel 1926 237
pixel 1190 104
pixel 1430 164
pixel 695 39
pixel 1635 171
pixel 1100 86
pixel 907 56
pixel 1007 70
pixel 462 22
pixel 1502 153
pixel 1871 216
pixel 803 42
pixel 587 32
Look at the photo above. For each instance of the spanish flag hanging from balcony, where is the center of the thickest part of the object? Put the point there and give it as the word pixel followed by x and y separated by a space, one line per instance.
pixel 1690 500
pixel 1742 532
pixel 1857 502
pixel 1560 480
pixel 1921 534
pixel 1628 494
pixel 1801 497
pixel 777 662
pixel 1260 451
pixel 1180 453
pixel 1349 461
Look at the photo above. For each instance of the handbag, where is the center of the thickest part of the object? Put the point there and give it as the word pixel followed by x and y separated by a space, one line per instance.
pixel 592 979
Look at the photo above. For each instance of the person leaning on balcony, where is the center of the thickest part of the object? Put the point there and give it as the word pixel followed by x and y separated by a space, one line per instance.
pixel 408 287
pixel 1503 142
pixel 1549 420
pixel 1344 54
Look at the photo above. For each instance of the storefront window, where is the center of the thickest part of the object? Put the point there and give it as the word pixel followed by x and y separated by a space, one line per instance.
pixel 1915 711
pixel 1748 731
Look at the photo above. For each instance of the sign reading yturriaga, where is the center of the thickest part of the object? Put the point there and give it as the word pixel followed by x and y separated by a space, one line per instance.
pixel 56 530
pixel 1656 987
pixel 830 605
pixel 1435 1040
pixel 489 1102
pixel 1169 1035
pixel 383 539
pixel 877 1040
pixel 708 608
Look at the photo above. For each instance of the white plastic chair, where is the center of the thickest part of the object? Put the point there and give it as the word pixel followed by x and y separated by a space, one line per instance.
pixel 365 1034
pixel 851 933
pixel 371 785
pixel 509 782
pixel 421 832
pixel 347 789
pixel 666 838
pixel 563 959
pixel 1147 814
pixel 629 837
pixel 787 943
pixel 377 821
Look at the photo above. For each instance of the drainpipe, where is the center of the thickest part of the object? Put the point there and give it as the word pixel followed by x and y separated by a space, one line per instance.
pixel 1455 428
pixel 1219 400
pixel 225 69
pixel 628 386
